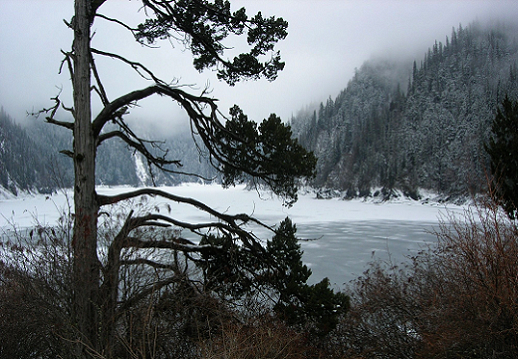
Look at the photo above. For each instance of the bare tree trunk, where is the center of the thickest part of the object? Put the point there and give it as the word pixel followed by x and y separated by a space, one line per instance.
pixel 86 263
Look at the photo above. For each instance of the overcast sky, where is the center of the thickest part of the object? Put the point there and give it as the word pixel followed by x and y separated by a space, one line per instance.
pixel 327 40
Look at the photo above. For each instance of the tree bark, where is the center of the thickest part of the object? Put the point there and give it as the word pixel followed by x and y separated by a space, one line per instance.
pixel 86 264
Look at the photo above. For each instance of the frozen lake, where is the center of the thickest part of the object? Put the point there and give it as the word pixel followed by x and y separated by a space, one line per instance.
pixel 343 235
pixel 346 247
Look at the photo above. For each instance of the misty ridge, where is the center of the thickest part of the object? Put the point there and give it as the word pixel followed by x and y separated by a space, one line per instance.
pixel 395 128
pixel 425 131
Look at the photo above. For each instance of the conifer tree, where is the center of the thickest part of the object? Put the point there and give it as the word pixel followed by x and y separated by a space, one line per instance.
pixel 503 149
pixel 238 148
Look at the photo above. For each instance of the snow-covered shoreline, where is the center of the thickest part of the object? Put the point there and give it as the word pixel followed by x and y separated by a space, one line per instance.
pixel 349 232
pixel 27 209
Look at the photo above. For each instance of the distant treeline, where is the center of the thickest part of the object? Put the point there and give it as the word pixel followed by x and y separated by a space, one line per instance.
pixel 401 127
pixel 395 126
pixel 31 159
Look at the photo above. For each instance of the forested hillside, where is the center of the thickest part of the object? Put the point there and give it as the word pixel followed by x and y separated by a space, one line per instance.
pixel 395 126
pixel 407 128
pixel 32 159
pixel 22 160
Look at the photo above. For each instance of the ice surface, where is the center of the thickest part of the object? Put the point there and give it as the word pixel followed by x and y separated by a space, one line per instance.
pixel 25 210
pixel 343 234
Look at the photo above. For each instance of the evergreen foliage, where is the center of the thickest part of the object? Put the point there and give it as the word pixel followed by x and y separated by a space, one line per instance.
pixel 300 303
pixel 208 24
pixel 237 272
pixel 22 159
pixel 262 150
pixel 502 149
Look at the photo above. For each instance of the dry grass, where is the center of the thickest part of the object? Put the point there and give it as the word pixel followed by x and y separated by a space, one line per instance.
pixel 260 338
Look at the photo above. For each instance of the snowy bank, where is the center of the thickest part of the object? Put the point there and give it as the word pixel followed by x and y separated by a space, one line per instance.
pixel 27 209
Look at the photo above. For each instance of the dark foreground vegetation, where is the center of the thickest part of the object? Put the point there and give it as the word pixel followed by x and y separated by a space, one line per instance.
pixel 211 308
pixel 458 299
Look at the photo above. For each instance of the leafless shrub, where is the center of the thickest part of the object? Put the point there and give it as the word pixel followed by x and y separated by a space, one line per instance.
pixel 36 295
pixel 35 292
pixel 381 321
pixel 261 337
pixel 474 303
pixel 457 299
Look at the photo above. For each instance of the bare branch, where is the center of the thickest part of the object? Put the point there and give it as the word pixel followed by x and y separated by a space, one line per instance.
pixel 68 24
pixel 104 200
pixel 69 125
pixel 194 106
pixel 99 88
pixel 140 147
pixel 50 118
pixel 66 59
pixel 124 25
pixel 111 109
pixel 159 161
pixel 231 226
pixel 132 242
pixel 67 153
pixel 143 71
pixel 145 292
pixel 143 261
pixel 117 21
pixel 69 109
pixel 161 220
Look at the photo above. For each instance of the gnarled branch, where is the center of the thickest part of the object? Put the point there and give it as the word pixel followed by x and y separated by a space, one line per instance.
pixel 142 70
pixel 133 242
pixel 138 145
pixel 52 110
pixel 105 200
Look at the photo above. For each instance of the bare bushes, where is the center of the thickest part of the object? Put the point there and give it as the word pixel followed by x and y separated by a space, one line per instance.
pixel 260 337
pixel 458 299
pixel 382 318
pixel 476 286
pixel 152 321
pixel 35 301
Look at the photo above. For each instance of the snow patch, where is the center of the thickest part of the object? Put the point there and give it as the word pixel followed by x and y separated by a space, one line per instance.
pixel 5 194
pixel 141 170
